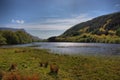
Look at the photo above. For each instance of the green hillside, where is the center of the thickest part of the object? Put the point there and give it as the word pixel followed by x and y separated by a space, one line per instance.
pixel 105 29
pixel 15 36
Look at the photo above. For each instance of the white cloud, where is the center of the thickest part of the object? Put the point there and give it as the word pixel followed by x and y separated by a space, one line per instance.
pixel 72 21
pixel 53 24
pixel 40 26
pixel 17 21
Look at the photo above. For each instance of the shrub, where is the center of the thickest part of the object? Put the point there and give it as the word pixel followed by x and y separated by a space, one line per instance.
pixel 12 76
pixel 54 68
pixel 17 76
pixel 12 67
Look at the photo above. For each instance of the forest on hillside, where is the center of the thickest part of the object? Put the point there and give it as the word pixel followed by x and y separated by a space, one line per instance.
pixel 15 37
pixel 103 29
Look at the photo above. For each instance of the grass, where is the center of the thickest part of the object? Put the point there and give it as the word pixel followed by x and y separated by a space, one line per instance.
pixel 71 67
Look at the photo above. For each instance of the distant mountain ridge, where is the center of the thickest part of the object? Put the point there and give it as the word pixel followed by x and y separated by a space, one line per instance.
pixel 105 29
pixel 11 29
pixel 111 21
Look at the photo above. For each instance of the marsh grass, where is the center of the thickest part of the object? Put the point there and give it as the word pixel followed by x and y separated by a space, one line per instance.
pixel 71 67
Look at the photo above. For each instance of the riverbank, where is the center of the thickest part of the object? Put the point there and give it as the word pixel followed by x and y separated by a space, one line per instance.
pixel 27 62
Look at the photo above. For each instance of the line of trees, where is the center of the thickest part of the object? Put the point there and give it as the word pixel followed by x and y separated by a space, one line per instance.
pixel 111 37
pixel 14 37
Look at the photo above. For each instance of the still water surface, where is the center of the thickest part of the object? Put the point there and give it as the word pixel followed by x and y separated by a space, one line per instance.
pixel 75 48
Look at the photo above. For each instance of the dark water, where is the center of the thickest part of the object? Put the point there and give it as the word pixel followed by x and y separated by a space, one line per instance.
pixel 76 48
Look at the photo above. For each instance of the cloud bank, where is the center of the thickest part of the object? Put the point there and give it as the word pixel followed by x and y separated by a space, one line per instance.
pixel 17 21
pixel 52 23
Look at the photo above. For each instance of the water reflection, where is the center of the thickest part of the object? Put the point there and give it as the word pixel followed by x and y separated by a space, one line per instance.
pixel 76 48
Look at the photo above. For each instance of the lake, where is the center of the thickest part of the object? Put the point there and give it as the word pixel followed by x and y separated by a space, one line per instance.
pixel 75 48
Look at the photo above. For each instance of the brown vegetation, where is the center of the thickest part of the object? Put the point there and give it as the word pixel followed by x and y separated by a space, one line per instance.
pixel 1 75
pixel 17 76
pixel 54 68
pixel 20 51
pixel 13 67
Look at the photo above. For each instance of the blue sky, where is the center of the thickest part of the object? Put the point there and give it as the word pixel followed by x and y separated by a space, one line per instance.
pixel 45 18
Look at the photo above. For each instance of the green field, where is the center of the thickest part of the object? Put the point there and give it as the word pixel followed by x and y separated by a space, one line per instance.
pixel 71 67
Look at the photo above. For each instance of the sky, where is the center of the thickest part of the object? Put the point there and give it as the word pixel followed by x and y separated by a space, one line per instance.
pixel 46 18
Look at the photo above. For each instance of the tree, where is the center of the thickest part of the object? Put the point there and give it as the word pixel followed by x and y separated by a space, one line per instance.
pixel 11 37
pixel 2 40
pixel 118 32
pixel 23 37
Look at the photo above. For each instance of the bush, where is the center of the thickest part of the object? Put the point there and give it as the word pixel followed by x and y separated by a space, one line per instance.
pixel 17 76
pixel 118 32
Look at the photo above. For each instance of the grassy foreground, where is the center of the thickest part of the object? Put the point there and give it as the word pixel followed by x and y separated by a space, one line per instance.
pixel 70 67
